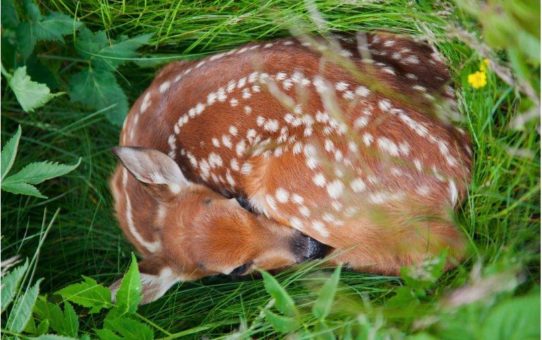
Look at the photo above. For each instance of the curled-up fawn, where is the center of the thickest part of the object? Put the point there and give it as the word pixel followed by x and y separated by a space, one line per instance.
pixel 333 148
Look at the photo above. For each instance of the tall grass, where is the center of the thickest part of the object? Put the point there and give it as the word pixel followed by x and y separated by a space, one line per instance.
pixel 500 217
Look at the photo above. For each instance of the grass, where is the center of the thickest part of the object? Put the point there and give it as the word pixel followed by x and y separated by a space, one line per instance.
pixel 501 216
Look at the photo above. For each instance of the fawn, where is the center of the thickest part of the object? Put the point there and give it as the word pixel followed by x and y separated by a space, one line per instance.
pixel 331 147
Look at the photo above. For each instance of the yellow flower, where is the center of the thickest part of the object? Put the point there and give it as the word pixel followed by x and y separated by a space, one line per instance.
pixel 477 79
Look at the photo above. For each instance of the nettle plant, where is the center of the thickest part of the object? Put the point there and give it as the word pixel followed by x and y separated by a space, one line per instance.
pixel 89 79
pixel 54 316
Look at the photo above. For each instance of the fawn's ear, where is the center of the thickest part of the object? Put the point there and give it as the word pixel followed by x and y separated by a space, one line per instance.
pixel 153 168
pixel 156 279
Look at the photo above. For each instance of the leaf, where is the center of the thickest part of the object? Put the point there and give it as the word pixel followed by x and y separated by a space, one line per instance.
pixel 55 25
pixel 282 324
pixel 22 189
pixel 50 27
pixel 45 310
pixel 11 281
pixel 22 309
pixel 322 305
pixel 98 89
pixel 37 172
pixel 71 321
pixel 518 318
pixel 10 18
pixel 53 337
pixel 127 329
pixel 107 55
pixel 283 301
pixel 30 95
pixel 88 294
pixel 107 334
pixel 9 152
pixel 129 293
pixel 43 327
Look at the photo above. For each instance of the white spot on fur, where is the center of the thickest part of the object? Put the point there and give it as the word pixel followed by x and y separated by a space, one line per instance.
pixel 319 179
pixel 335 189
pixel 282 195
pixel 164 86
pixel 357 185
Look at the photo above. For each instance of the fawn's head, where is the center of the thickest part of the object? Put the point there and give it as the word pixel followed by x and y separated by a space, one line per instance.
pixel 203 233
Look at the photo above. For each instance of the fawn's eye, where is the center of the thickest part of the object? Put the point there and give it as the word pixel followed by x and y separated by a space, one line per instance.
pixel 207 201
pixel 241 269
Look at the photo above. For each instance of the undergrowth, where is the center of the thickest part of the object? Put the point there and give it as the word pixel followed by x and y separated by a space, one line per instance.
pixel 494 294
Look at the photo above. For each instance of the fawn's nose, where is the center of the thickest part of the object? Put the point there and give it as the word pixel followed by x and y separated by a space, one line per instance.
pixel 306 248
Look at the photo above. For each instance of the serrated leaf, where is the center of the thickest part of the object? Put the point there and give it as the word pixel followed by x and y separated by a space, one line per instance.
pixel 45 310
pixel 55 25
pixel 99 89
pixel 105 54
pixel 30 95
pixel 88 294
pixel 283 301
pixel 71 321
pixel 322 305
pixel 35 173
pixel 9 152
pixel 282 324
pixel 22 189
pixel 129 294
pixel 22 309
pixel 10 283
pixel 129 328
pixel 50 27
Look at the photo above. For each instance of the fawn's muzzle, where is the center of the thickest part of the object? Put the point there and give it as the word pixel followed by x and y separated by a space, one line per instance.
pixel 306 248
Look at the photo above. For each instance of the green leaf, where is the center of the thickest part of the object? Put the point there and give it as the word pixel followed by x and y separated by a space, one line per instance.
pixel 282 324
pixel 43 327
pixel 322 305
pixel 10 18
pixel 518 318
pixel 9 152
pixel 71 321
pixel 26 38
pixel 22 309
pixel 107 334
pixel 31 10
pixel 105 54
pixel 11 282
pixel 98 89
pixel 126 327
pixel 129 294
pixel 88 294
pixel 22 189
pixel 45 310
pixel 30 95
pixel 53 337
pixel 283 301
pixel 50 27
pixel 55 25
pixel 35 173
